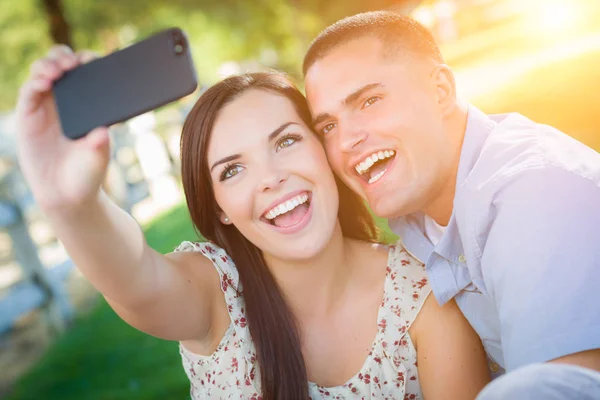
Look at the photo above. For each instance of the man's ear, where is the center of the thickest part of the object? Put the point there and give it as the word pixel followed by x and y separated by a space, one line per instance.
pixel 445 85
pixel 224 218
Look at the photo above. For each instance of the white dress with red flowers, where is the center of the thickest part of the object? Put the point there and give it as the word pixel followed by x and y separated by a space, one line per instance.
pixel 389 372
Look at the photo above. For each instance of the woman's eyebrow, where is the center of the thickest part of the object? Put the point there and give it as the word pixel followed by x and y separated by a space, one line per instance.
pixel 272 136
pixel 277 131
pixel 224 160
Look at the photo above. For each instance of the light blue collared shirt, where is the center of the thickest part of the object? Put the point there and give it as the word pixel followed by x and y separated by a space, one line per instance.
pixel 521 253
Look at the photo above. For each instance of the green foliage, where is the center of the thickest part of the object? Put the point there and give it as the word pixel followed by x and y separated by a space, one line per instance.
pixel 569 103
pixel 274 33
pixel 103 358
pixel 23 38
pixel 219 31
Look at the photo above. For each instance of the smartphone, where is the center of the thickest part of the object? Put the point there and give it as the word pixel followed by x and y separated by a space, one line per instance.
pixel 126 83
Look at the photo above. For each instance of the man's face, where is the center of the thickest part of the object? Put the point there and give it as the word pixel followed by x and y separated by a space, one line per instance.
pixel 382 122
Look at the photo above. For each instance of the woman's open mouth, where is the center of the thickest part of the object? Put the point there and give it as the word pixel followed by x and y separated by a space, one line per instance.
pixel 291 214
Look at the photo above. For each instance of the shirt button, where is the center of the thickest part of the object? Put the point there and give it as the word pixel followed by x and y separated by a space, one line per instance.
pixel 462 258
pixel 494 367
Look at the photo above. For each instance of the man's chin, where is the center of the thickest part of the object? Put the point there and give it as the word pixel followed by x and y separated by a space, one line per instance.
pixel 385 207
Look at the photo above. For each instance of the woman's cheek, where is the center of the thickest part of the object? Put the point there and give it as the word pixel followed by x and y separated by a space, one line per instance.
pixel 314 158
pixel 236 202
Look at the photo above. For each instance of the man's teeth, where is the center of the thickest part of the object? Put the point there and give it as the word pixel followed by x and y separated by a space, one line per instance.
pixel 286 206
pixel 376 177
pixel 368 162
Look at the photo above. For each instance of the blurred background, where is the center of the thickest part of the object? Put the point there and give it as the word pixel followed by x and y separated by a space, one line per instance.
pixel 58 338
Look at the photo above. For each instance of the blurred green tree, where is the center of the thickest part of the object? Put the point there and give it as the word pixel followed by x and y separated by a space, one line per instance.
pixel 59 28
pixel 274 33
pixel 271 32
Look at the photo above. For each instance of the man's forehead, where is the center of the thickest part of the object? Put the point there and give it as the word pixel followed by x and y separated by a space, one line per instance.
pixel 363 50
pixel 340 73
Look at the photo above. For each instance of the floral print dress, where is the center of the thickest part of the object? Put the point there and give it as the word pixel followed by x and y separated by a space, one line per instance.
pixel 389 372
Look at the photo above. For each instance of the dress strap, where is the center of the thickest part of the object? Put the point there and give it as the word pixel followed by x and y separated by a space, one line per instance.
pixel 236 306
pixel 406 289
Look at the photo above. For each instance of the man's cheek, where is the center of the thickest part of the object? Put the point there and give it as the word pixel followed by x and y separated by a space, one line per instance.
pixel 337 165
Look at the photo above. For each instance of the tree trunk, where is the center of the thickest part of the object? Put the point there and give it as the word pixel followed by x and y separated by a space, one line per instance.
pixel 59 27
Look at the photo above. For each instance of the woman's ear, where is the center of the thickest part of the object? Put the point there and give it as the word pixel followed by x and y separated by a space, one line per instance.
pixel 224 218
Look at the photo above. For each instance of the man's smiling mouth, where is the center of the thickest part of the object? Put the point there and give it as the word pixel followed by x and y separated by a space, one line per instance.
pixel 374 166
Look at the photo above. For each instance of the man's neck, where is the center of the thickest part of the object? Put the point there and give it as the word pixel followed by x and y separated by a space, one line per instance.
pixel 441 206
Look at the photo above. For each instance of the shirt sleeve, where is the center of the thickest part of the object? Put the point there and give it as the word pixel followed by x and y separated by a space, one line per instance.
pixel 541 265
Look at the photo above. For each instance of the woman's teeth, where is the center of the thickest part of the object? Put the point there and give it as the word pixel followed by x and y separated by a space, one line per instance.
pixel 286 206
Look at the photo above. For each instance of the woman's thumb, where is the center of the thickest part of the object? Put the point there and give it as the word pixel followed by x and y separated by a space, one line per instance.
pixel 98 142
pixel 98 139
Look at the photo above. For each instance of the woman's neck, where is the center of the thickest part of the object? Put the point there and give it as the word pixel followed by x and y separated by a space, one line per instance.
pixel 315 286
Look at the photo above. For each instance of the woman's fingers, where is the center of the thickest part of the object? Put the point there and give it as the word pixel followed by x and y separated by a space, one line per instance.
pixel 63 56
pixel 31 94
pixel 44 72
pixel 45 68
pixel 85 56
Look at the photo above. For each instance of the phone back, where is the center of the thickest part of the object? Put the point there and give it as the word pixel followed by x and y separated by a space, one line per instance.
pixel 124 84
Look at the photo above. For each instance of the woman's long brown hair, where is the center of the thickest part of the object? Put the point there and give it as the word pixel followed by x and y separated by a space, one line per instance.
pixel 272 325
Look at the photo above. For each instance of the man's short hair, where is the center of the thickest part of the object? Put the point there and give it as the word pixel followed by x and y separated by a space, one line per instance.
pixel 400 35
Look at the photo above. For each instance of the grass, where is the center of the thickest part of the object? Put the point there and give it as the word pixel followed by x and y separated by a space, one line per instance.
pixel 103 358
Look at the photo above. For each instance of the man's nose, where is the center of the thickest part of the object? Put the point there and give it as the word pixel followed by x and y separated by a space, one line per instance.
pixel 351 136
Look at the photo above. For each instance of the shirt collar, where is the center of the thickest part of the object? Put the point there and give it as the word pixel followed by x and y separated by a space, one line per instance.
pixel 479 126
pixel 410 228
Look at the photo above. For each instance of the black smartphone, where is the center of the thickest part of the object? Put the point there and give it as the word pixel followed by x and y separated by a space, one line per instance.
pixel 126 83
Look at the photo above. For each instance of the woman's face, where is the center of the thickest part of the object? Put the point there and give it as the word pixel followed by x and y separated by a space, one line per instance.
pixel 271 178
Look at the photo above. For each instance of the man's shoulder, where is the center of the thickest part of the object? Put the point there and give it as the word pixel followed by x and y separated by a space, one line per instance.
pixel 518 147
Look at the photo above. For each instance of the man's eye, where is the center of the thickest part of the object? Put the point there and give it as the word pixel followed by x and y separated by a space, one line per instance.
pixel 327 128
pixel 230 171
pixel 370 101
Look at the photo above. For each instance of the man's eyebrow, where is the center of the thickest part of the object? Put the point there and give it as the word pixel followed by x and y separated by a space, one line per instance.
pixel 224 160
pixel 320 118
pixel 351 98
pixel 272 136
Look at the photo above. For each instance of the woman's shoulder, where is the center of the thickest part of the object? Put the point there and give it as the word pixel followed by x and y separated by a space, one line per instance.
pixel 400 257
pixel 371 248
pixel 202 247
pixel 195 252
pixel 208 249
pixel 396 254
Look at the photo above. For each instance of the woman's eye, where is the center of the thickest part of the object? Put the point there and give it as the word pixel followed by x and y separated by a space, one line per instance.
pixel 230 172
pixel 287 141
pixel 327 128
pixel 371 100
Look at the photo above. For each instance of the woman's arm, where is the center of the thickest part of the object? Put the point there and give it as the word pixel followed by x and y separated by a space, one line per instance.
pixel 451 360
pixel 170 297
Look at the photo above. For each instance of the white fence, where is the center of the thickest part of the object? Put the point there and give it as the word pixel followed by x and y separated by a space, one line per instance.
pixel 142 179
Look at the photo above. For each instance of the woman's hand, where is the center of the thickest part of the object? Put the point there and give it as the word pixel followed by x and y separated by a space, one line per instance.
pixel 63 174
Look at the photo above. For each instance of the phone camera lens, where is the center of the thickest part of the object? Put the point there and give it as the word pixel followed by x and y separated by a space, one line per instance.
pixel 178 42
